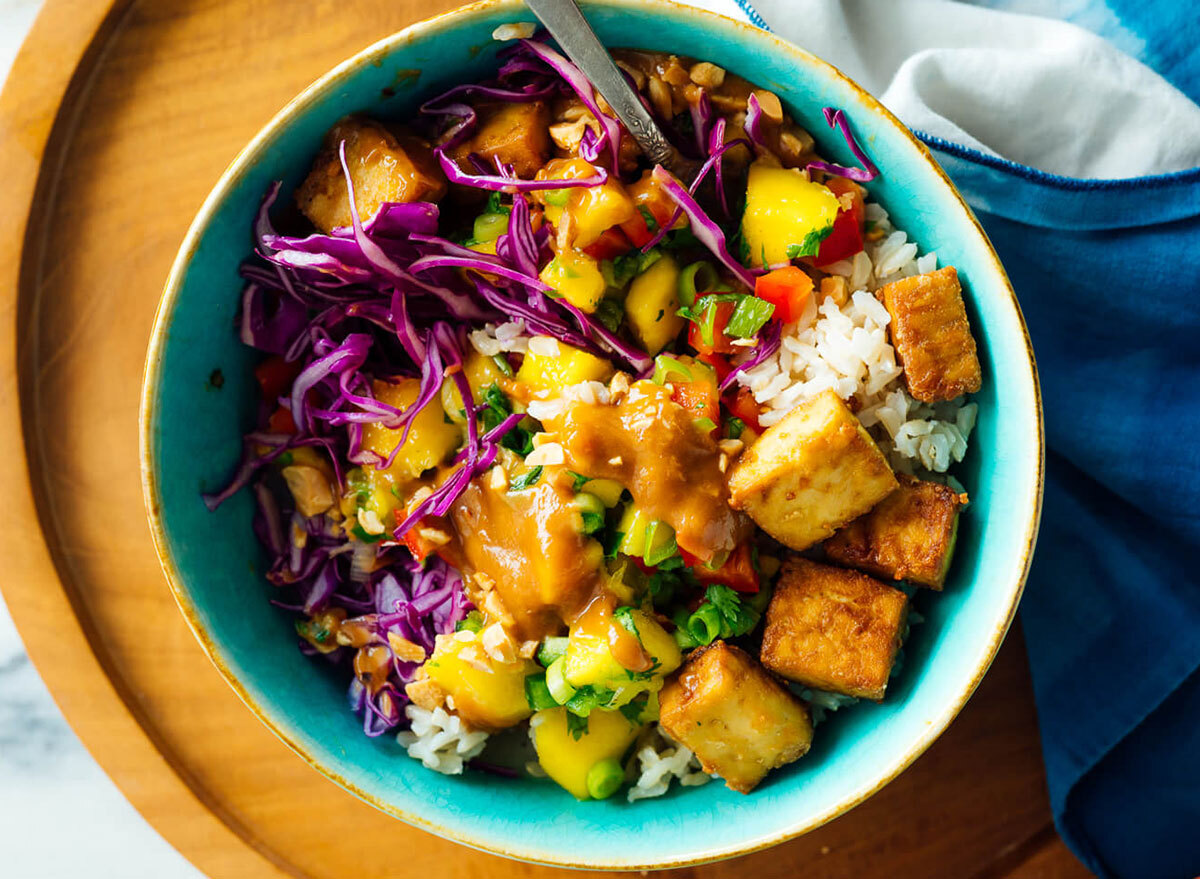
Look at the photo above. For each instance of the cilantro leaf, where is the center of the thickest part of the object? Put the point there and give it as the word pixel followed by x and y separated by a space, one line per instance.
pixel 624 616
pixel 651 223
pixel 525 480
pixel 811 243
pixel 577 726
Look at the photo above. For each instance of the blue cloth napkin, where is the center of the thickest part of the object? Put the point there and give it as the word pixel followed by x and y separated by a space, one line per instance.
pixel 1108 276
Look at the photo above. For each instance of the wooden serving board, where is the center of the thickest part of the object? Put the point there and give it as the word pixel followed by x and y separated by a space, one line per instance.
pixel 117 119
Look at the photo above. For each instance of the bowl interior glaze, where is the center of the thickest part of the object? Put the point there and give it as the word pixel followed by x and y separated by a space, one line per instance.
pixel 191 442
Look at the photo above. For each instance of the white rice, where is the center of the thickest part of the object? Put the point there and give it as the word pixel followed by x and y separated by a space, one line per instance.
pixel 847 350
pixel 440 740
pixel 661 760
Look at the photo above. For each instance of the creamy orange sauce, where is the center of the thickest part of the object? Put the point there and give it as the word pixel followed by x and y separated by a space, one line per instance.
pixel 530 545
pixel 648 443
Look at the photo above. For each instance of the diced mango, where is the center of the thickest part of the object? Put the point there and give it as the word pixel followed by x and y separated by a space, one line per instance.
pixel 567 758
pixel 589 661
pixel 787 215
pixel 481 371
pixel 570 366
pixel 430 440
pixel 652 303
pixel 608 490
pixel 577 278
pixel 487 694
pixel 592 209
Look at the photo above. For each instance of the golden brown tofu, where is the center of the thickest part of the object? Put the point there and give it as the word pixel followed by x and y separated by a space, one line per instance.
pixel 908 536
pixel 384 167
pixel 833 629
pixel 740 721
pixel 932 336
pixel 516 134
pixel 810 473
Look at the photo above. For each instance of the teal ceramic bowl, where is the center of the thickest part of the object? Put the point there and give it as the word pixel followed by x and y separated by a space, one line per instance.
pixel 191 441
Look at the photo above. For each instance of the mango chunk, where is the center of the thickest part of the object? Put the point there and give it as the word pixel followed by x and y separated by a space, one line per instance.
pixel 568 752
pixel 430 440
pixel 787 215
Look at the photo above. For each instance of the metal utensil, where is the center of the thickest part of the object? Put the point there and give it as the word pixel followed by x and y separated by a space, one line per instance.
pixel 576 37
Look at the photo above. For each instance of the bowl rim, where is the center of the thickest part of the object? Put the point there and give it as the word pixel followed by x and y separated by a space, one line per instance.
pixel 245 160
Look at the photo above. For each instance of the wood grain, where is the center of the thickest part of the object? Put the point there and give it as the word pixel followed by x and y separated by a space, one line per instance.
pixel 104 172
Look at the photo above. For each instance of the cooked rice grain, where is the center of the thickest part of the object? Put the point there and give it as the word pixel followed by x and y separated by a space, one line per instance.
pixel 440 740
pixel 847 350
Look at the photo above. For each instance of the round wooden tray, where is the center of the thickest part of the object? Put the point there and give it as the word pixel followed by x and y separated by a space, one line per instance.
pixel 117 119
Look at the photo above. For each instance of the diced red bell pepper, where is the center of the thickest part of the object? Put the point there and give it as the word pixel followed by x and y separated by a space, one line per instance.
pixel 611 244
pixel 699 398
pixel 281 421
pixel 275 375
pixel 846 239
pixel 789 289
pixel 720 364
pixel 743 405
pixel 721 343
pixel 419 546
pixel 737 573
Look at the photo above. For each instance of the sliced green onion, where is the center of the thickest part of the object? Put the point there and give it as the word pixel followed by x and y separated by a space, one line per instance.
pixel 502 364
pixel 666 365
pixel 748 317
pixel 556 680
pixel 489 227
pixel 660 543
pixel 704 624
pixel 552 648
pixel 537 694
pixel 734 427
pixel 605 778
pixel 472 622
pixel 698 277
pixel 557 197
pixel 592 522
pixel 705 424
pixel 592 509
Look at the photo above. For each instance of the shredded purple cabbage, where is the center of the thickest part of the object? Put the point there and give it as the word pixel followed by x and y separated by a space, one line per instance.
pixel 754 122
pixel 703 227
pixel 868 171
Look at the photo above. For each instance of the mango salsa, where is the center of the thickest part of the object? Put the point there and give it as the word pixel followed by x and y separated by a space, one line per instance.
pixel 430 441
pixel 652 303
pixel 589 661
pixel 787 215
pixel 570 366
pixel 577 278
pixel 481 371
pixel 566 758
pixel 592 209
pixel 487 694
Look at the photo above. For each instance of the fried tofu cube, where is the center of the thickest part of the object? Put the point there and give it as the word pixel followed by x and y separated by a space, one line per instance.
pixel 833 629
pixel 810 473
pixel 908 536
pixel 384 166
pixel 932 336
pixel 740 722
pixel 516 134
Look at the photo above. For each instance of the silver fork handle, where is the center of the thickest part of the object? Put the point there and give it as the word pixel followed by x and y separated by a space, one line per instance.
pixel 568 26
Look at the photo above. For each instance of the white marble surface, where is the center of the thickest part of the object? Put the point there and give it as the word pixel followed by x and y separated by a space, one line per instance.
pixel 60 816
